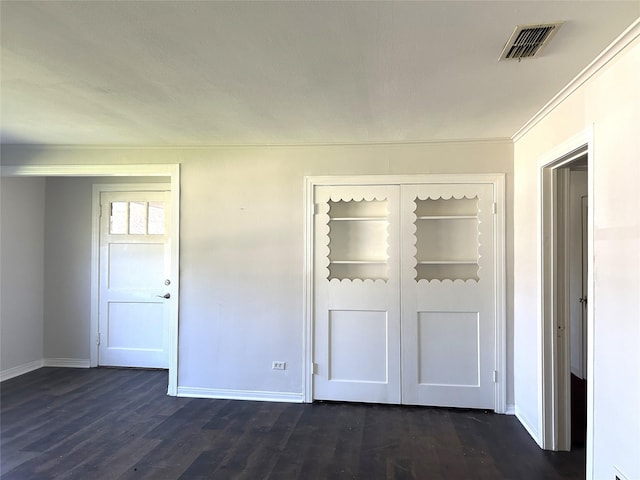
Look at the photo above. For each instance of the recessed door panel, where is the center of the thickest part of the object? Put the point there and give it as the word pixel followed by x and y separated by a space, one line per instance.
pixel 136 265
pixel 359 343
pixel 448 349
pixel 135 325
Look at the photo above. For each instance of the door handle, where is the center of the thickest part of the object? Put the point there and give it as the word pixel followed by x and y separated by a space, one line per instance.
pixel 166 295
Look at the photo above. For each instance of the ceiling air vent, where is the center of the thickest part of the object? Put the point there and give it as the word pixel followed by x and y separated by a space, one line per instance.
pixel 527 41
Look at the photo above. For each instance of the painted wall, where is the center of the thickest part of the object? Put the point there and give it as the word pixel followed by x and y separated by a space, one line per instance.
pixel 67 293
pixel 242 245
pixel 610 102
pixel 21 274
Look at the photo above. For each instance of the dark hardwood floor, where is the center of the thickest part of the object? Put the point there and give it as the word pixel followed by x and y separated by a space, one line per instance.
pixel 119 424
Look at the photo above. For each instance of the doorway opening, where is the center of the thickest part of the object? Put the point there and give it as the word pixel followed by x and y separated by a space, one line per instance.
pixel 564 275
pixel 122 171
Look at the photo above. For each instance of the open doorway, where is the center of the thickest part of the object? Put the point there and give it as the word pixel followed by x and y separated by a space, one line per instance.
pixel 170 172
pixel 576 252
pixel 564 274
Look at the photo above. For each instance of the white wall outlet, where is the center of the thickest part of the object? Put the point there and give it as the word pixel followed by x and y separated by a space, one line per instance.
pixel 279 365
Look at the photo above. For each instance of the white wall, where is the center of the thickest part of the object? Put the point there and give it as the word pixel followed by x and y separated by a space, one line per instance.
pixel 610 103
pixel 241 268
pixel 21 274
pixel 67 273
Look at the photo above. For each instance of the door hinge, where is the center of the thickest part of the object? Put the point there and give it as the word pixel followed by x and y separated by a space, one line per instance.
pixel 495 208
pixel 316 208
pixel 314 368
pixel 98 339
pixel 495 376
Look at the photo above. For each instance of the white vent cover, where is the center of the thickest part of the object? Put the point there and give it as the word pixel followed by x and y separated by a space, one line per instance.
pixel 527 41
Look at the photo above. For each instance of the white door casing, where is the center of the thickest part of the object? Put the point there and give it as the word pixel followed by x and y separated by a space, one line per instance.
pixel 468 321
pixel 134 279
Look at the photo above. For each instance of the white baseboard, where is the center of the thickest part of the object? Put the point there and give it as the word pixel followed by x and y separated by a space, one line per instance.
pixel 511 409
pixel 67 362
pixel 261 396
pixel 20 370
pixel 528 426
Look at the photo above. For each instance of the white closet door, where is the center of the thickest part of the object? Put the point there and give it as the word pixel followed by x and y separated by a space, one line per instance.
pixel 448 282
pixel 356 282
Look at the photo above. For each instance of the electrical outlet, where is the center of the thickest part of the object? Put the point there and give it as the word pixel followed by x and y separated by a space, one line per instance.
pixel 278 365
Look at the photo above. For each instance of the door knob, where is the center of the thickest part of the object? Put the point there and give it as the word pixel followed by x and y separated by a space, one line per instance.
pixel 166 295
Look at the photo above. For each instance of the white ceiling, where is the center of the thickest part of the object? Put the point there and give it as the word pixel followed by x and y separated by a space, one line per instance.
pixel 222 73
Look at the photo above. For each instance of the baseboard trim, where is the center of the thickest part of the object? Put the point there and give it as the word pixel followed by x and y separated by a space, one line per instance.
pixel 261 396
pixel 67 362
pixel 511 409
pixel 20 370
pixel 528 426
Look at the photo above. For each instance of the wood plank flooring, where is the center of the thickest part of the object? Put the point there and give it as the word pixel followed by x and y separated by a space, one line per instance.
pixel 60 423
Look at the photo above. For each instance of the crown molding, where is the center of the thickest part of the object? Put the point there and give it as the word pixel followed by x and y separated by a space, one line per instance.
pixel 617 46
pixel 213 146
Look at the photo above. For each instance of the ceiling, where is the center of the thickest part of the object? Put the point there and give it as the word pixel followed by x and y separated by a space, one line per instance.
pixel 229 73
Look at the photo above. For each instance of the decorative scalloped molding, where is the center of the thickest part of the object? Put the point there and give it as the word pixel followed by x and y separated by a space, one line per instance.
pixel 357 280
pixel 617 46
pixel 445 280
pixel 225 394
pixel 334 197
pixel 67 362
pixel 445 197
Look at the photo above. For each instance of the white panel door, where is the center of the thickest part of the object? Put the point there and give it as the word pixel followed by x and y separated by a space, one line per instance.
pixel 356 283
pixel 448 295
pixel 134 279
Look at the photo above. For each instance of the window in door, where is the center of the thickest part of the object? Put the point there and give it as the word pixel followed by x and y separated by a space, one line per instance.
pixel 447 239
pixel 358 239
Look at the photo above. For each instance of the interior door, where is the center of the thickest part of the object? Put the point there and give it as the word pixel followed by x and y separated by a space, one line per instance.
pixel 134 291
pixel 448 295
pixel 356 282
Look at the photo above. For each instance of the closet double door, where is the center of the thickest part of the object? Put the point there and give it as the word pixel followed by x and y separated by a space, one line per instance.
pixel 404 294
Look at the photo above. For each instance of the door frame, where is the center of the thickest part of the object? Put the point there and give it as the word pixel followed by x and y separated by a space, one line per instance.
pixel 172 171
pixel 96 215
pixel 498 182
pixel 554 394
